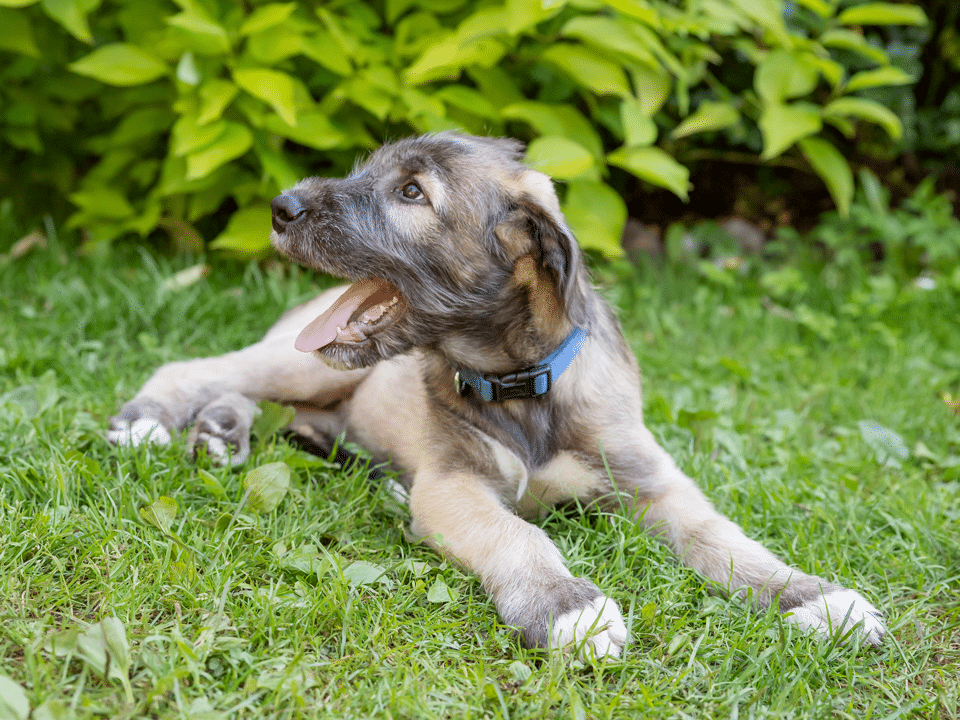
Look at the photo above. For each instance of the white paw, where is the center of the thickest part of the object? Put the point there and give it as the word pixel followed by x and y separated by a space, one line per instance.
pixel 838 611
pixel 596 630
pixel 219 450
pixel 138 432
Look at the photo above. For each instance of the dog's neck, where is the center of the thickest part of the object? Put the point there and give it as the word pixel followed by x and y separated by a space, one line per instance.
pixel 530 382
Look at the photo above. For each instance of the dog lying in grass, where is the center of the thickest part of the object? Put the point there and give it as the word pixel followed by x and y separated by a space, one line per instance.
pixel 472 353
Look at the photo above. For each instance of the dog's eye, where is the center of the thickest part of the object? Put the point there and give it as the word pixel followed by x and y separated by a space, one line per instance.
pixel 412 191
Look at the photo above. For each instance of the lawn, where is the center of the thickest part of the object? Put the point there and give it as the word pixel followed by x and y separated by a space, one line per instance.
pixel 816 408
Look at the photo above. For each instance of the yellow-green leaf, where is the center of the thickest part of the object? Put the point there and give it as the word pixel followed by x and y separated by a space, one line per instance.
pixel 275 88
pixel 161 513
pixel 266 486
pixel 17 35
pixel 313 129
pixel 782 125
pixel 17 3
pixel 887 75
pixel 864 109
pixel 247 233
pixel 70 14
pixel 882 14
pixel 266 16
pixel 596 214
pixel 13 700
pixel 120 64
pixel 587 68
pixel 103 202
pixel 559 157
pixel 215 96
pixel 638 127
pixel 233 142
pixel 853 41
pixel 655 166
pixel 785 74
pixel 207 37
pixel 832 168
pixel 709 116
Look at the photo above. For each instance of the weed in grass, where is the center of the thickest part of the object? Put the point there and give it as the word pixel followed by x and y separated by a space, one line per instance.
pixel 140 583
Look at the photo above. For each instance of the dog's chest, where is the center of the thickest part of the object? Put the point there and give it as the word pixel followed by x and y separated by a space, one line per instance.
pixel 562 479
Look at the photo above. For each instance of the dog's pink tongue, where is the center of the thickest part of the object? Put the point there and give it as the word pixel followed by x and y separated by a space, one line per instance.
pixel 323 331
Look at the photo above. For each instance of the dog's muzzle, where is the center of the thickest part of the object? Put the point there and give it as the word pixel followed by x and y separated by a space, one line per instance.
pixel 286 209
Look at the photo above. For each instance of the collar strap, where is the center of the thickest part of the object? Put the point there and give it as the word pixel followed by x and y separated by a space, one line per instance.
pixel 528 383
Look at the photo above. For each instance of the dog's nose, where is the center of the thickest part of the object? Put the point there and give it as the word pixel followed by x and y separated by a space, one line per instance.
pixel 286 209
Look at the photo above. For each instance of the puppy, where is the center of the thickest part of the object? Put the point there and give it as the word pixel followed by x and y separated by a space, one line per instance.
pixel 472 353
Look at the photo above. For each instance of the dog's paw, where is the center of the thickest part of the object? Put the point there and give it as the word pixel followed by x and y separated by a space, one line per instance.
pixel 222 429
pixel 595 630
pixel 837 612
pixel 143 430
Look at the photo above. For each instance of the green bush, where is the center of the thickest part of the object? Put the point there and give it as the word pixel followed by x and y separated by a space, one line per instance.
pixel 150 116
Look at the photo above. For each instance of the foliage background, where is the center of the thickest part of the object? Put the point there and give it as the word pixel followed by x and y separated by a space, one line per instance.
pixel 146 116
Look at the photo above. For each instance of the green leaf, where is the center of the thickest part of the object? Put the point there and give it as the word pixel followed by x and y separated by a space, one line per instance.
pixel 160 513
pixel 447 57
pixel 709 116
pixel 120 64
pixel 275 88
pixel 782 125
pixel 638 127
pixel 609 34
pixel 266 16
pixel 313 129
pixel 866 110
pixel 597 215
pixel 205 35
pixel 266 486
pixel 366 573
pixel 887 75
pixel 71 15
pixel 652 86
pixel 17 3
pixel 271 419
pixel 556 119
pixel 655 166
pixel 588 69
pixel 103 202
pixel 13 700
pixel 215 96
pixel 785 74
pixel 820 7
pixel 247 233
pixel 525 14
pixel 832 168
pixel 440 592
pixel 233 142
pixel 212 484
pixel 468 100
pixel 188 135
pixel 888 445
pixel 559 157
pixel 17 35
pixel 882 14
pixel 853 41
pixel 104 648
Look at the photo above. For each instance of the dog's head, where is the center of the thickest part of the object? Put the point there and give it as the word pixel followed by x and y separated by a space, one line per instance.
pixel 453 245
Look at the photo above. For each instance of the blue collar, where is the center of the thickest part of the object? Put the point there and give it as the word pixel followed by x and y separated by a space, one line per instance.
pixel 529 383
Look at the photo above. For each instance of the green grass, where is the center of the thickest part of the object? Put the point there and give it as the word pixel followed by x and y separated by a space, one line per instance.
pixel 234 613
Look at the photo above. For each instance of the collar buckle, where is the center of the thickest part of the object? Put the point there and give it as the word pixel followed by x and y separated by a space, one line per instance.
pixel 528 383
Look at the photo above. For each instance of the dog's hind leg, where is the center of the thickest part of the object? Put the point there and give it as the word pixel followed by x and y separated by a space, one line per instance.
pixel 219 392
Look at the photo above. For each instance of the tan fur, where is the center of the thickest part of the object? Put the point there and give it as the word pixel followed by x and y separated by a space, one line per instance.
pixel 492 280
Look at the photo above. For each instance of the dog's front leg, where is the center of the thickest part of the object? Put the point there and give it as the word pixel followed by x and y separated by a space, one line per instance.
pixel 673 508
pixel 520 568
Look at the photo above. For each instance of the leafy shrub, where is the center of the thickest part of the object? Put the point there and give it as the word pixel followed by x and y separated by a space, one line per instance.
pixel 149 116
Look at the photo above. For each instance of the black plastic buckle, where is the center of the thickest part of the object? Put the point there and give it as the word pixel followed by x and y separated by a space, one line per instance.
pixel 521 384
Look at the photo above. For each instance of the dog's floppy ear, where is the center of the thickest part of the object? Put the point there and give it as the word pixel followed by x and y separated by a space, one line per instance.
pixel 536 226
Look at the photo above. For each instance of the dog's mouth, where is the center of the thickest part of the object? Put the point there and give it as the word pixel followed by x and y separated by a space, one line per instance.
pixel 366 308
